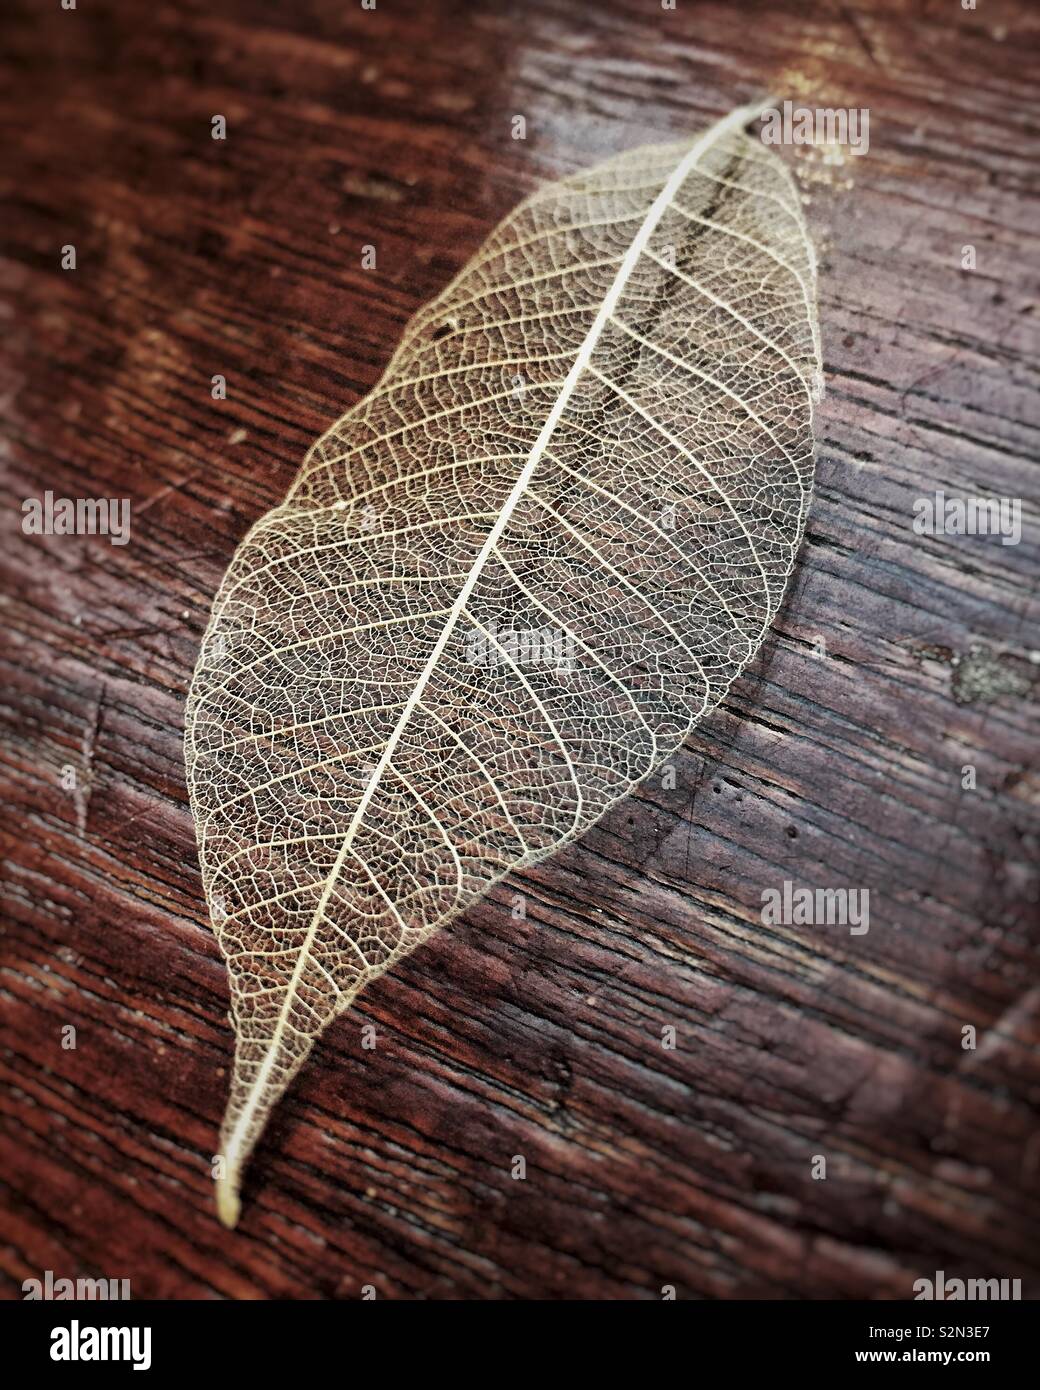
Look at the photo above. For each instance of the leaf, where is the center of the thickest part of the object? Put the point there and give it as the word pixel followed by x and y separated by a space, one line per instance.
pixel 506 584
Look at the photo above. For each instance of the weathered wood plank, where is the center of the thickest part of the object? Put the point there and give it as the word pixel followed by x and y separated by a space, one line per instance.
pixel 538 1036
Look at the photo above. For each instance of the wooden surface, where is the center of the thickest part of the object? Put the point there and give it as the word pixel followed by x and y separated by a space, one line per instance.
pixel 538 1037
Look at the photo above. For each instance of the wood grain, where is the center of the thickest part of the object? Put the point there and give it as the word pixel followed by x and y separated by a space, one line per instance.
pixel 539 1035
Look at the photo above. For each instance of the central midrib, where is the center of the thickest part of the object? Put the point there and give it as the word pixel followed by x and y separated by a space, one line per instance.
pixel 735 121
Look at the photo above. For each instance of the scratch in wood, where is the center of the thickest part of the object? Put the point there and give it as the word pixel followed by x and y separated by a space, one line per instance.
pixel 861 38
pixel 85 782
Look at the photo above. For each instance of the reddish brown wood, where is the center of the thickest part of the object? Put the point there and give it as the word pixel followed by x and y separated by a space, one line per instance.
pixel 538 1037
